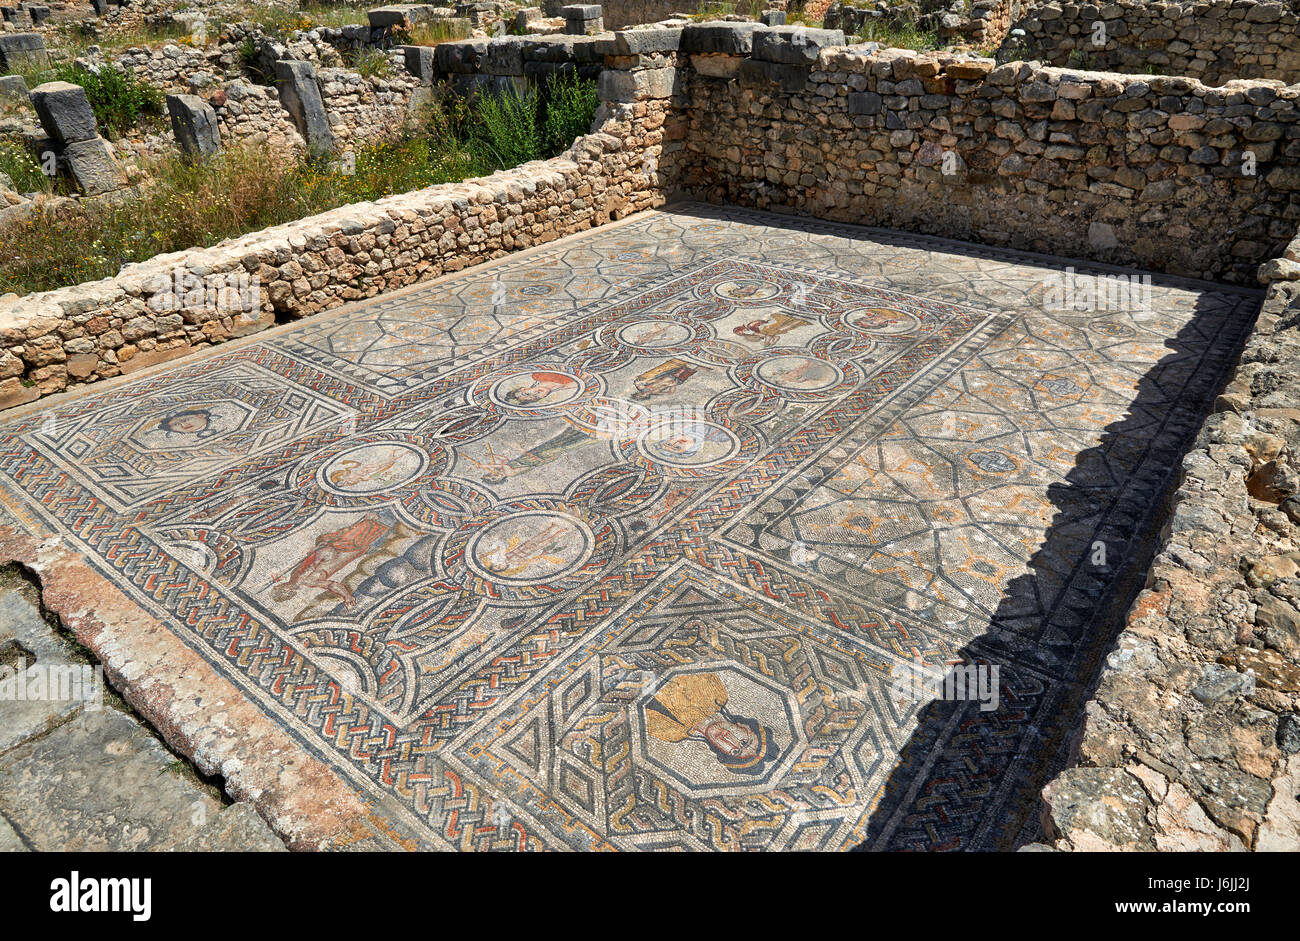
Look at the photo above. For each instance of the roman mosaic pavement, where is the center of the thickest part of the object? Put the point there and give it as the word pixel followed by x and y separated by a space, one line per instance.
pixel 631 541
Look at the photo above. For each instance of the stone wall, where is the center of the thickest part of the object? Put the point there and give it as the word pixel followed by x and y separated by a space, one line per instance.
pixel 1154 172
pixel 362 110
pixel 252 114
pixel 1192 740
pixel 470 65
pixel 57 339
pixel 1213 40
pixel 987 23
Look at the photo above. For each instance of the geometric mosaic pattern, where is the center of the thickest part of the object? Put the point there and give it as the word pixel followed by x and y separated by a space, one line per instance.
pixel 623 543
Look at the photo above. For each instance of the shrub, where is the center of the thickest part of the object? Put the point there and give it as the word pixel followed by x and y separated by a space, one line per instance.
pixel 571 104
pixel 120 101
pixel 507 126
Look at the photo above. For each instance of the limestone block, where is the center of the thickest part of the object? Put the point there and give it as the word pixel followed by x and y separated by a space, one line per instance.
pixel 754 73
pixel 504 57
pixel 463 58
pixel 419 61
pixel 401 15
pixel 639 84
pixel 736 39
pixel 194 123
pixel 636 42
pixel 64 111
pixel 794 45
pixel 13 92
pixel 301 97
pixel 92 167
pixel 22 51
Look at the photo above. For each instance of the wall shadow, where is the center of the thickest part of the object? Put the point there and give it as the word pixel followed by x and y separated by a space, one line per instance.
pixel 971 781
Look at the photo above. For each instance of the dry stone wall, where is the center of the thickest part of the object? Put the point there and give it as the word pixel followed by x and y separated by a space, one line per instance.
pixel 1213 40
pixel 175 304
pixel 361 110
pixel 1111 167
pixel 1192 740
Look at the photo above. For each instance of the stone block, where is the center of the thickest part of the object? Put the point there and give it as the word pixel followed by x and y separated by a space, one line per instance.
pixel 794 45
pixel 17 16
pixel 638 42
pixel 735 39
pixel 100 783
pixel 754 73
pixel 300 96
pixel 504 57
pixel 638 85
pixel 92 167
pixel 772 18
pixel 419 61
pixel 64 111
pixel 463 58
pixel 582 19
pixel 194 124
pixel 13 92
pixel 238 828
pixel 564 49
pixel 22 51
pixel 865 102
pixel 27 642
pixel 716 66
pixel 401 16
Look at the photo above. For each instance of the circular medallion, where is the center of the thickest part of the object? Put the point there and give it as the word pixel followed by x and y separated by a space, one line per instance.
pixel 529 549
pixel 746 290
pixel 372 468
pixel 798 373
pixel 369 470
pixel 534 390
pixel 881 320
pixel 687 442
pixel 654 334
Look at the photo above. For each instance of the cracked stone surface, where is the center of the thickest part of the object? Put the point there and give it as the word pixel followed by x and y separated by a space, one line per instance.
pixel 633 541
pixel 26 640
pixel 77 774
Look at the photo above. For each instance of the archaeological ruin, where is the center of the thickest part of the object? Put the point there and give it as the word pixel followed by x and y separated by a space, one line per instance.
pixel 867 425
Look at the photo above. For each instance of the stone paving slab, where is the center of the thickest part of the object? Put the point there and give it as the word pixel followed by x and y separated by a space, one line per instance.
pixel 100 783
pixel 31 645
pixel 237 827
pixel 632 541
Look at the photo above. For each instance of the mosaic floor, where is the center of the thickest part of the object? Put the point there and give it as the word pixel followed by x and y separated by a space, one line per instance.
pixel 634 535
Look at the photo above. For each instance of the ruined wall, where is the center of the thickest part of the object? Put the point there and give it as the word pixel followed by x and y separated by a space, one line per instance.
pixel 987 23
pixel 1158 172
pixel 56 339
pixel 252 114
pixel 362 110
pixel 1192 739
pixel 470 65
pixel 1213 40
